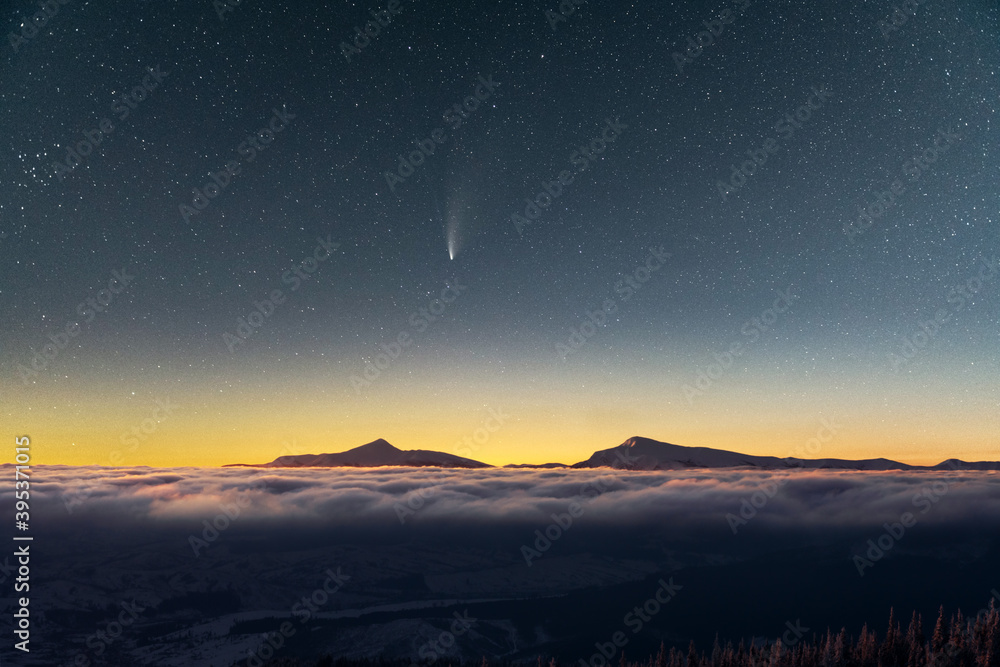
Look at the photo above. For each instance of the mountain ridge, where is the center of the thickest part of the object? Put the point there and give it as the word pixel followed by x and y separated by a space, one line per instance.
pixel 375 454
pixel 636 453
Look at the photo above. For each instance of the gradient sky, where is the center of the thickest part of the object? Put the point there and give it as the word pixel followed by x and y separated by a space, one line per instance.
pixel 288 387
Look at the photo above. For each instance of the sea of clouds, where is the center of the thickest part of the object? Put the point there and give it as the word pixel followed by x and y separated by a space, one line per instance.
pixel 374 496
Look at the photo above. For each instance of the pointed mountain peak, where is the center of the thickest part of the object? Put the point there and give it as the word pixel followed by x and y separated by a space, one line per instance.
pixel 374 454
pixel 379 446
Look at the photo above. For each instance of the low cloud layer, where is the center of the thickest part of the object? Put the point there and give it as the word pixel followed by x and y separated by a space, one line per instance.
pixel 370 497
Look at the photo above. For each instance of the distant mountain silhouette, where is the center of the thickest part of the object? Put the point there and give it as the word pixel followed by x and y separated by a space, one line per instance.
pixel 645 454
pixel 634 454
pixel 375 454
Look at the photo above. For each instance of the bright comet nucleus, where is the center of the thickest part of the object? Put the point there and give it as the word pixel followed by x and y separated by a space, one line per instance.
pixel 452 234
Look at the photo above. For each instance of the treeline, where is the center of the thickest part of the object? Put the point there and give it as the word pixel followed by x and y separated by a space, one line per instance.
pixel 956 641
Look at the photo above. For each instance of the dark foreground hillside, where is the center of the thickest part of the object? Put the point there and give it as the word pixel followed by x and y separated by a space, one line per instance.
pixel 954 641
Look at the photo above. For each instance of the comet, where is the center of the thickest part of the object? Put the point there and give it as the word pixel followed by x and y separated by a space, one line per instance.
pixel 452 230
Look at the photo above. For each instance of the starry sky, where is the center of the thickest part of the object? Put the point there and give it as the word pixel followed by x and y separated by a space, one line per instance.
pixel 656 290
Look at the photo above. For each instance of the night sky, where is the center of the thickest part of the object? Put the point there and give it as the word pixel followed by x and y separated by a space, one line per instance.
pixel 627 305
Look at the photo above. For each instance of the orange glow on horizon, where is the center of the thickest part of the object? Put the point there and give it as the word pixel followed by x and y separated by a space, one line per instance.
pixel 301 412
